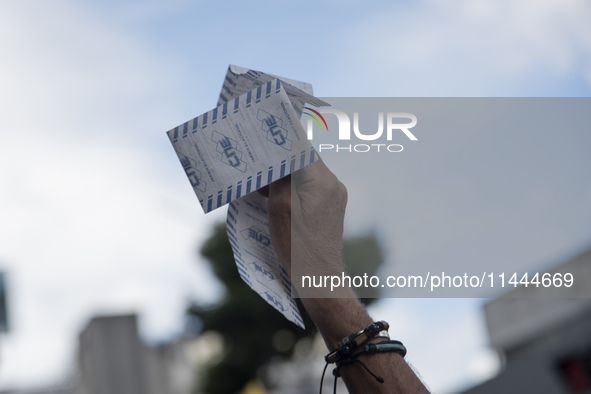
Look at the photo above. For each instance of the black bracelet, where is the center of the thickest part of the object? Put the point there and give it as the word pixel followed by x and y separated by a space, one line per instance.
pixel 353 341
pixel 372 348
pixel 345 355
pixel 386 346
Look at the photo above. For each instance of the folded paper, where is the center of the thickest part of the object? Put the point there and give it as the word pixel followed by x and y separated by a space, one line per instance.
pixel 253 138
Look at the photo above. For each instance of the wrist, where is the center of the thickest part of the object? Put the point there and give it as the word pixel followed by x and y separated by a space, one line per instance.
pixel 337 318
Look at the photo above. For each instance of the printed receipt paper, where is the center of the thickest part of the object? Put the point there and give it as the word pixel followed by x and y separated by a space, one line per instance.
pixel 252 138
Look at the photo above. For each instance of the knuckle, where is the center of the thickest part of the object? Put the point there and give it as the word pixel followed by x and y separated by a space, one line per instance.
pixel 344 194
pixel 333 185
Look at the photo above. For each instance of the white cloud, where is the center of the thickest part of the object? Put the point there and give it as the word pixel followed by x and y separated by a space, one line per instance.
pixel 90 221
pixel 469 48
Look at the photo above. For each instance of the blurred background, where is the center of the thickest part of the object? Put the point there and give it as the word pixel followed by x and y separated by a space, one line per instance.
pixel 113 279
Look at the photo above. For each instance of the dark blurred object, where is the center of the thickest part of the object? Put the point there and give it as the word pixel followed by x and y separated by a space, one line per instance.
pixel 576 371
pixel 4 326
pixel 253 332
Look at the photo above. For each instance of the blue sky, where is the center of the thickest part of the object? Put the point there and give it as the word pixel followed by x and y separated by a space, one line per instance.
pixel 93 201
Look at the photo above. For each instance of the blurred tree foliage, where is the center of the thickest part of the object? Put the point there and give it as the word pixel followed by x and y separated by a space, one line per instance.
pixel 253 332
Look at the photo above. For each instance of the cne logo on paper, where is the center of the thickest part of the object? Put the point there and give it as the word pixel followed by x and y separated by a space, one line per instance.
pixel 273 299
pixel 228 148
pixel 256 236
pixel 273 127
pixel 194 175
pixel 396 124
pixel 262 271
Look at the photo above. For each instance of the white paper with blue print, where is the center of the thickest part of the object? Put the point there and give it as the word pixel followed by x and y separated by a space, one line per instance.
pixel 258 265
pixel 253 138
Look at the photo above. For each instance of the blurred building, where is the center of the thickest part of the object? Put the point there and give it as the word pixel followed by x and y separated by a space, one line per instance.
pixel 112 359
pixel 545 342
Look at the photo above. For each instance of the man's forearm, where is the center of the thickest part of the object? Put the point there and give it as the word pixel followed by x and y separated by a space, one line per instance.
pixel 306 225
pixel 337 318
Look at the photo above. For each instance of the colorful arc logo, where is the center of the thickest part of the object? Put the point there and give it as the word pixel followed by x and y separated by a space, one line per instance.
pixel 316 119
